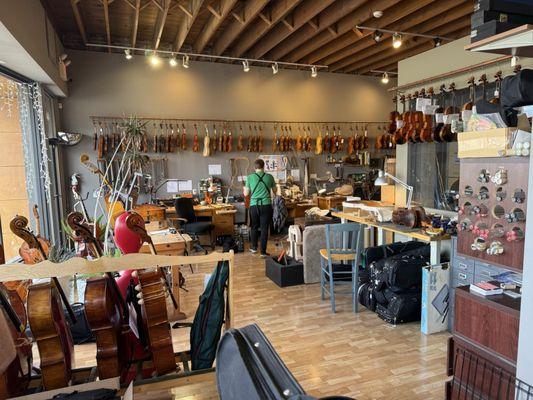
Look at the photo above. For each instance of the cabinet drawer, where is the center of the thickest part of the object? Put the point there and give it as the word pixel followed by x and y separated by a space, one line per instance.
pixel 462 279
pixel 463 264
pixel 484 270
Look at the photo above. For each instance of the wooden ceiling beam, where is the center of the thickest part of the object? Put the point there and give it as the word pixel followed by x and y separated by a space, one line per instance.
pixel 368 47
pixel 185 23
pixel 347 23
pixel 105 3
pixel 275 13
pixel 213 23
pixel 135 23
pixel 301 14
pixel 322 21
pixel 410 22
pixel 79 20
pixel 421 48
pixel 160 24
pixel 386 51
pixel 251 10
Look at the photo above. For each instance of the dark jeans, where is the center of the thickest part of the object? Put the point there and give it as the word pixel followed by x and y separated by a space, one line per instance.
pixel 260 218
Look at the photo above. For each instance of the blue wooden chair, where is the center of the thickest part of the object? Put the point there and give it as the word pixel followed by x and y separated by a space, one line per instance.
pixel 340 260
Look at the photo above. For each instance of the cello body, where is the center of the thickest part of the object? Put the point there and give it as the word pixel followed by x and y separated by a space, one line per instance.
pixel 105 319
pixel 52 334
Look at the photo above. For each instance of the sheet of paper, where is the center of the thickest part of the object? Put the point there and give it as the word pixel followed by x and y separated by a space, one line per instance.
pixel 185 186
pixel 172 187
pixel 295 173
pixel 215 169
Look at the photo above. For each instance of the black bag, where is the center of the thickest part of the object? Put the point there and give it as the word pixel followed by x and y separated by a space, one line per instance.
pixel 402 273
pixel 96 394
pixel 517 90
pixel 372 254
pixel 249 368
pixel 208 320
pixel 365 296
pixel 401 308
pixel 376 268
pixel 81 332
pixel 383 296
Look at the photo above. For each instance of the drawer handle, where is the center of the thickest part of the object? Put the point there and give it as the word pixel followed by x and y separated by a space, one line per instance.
pixel 463 266
pixel 462 276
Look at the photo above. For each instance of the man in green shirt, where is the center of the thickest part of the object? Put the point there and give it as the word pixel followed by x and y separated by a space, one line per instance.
pixel 259 186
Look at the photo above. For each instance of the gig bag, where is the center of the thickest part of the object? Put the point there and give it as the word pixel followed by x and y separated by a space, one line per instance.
pixel 401 308
pixel 517 90
pixel 376 253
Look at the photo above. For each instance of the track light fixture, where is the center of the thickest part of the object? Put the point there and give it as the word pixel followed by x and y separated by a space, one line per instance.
pixel 186 61
pixel 275 68
pixel 437 42
pixel 396 40
pixel 127 54
pixel 154 59
pixel 245 66
pixel 172 61
pixel 377 36
pixel 314 72
pixel 385 78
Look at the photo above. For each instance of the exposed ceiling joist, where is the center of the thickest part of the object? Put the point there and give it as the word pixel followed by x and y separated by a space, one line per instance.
pixel 277 10
pixel 323 45
pixel 135 23
pixel 79 20
pixel 301 14
pixel 225 7
pixel 105 3
pixel 387 51
pixel 160 24
pixel 427 45
pixel 429 24
pixel 185 23
pixel 324 20
pixel 250 10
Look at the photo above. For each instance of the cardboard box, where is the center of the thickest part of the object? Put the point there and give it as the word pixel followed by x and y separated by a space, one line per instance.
pixel 489 143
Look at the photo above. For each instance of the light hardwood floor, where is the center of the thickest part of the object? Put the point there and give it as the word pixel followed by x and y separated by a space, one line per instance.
pixel 349 354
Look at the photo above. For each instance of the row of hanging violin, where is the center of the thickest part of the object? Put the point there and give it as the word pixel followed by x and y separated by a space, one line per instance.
pixel 170 137
pixel 106 309
pixel 414 126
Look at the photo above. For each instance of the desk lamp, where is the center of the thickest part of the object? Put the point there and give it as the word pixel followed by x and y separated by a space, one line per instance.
pixel 382 181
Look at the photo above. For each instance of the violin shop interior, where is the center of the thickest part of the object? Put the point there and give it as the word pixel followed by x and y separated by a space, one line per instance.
pixel 266 200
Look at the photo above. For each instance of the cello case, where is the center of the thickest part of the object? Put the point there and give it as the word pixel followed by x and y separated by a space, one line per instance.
pixel 249 368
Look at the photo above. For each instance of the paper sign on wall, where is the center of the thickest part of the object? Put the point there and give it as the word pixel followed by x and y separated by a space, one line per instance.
pixel 275 162
pixel 295 173
pixel 172 186
pixel 215 169
pixel 185 186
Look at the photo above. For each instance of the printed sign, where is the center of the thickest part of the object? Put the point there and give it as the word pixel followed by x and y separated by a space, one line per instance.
pixel 275 162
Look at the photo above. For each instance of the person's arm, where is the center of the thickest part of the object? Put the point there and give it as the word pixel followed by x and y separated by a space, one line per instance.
pixel 246 188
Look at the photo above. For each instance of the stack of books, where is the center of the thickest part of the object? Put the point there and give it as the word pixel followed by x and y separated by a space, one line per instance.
pixel 486 288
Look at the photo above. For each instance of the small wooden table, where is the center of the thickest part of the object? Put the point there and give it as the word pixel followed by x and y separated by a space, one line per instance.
pixel 171 244
pixel 382 227
pixel 222 215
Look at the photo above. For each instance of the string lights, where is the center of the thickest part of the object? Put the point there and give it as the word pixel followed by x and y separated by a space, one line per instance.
pixel 154 58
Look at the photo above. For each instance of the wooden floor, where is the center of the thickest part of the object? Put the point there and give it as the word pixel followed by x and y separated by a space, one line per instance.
pixel 355 355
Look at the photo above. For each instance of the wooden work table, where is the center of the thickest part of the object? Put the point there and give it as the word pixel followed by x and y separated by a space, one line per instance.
pixel 383 227
pixel 222 216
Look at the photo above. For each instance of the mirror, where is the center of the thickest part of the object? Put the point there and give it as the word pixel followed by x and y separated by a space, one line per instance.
pixel 67 138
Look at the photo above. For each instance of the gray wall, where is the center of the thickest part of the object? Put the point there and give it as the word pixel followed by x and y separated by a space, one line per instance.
pixel 108 85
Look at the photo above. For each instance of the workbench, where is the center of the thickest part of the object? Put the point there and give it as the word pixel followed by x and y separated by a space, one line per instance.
pixel 222 216
pixel 382 228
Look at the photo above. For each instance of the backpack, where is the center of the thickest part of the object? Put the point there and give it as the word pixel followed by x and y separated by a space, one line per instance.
pixel 208 320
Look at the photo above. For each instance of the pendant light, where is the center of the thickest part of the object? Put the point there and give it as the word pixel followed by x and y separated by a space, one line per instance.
pixel 185 61
pixel 245 66
pixel 314 72
pixel 275 68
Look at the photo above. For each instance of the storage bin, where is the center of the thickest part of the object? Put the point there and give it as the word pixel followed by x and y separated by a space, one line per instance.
pixel 284 275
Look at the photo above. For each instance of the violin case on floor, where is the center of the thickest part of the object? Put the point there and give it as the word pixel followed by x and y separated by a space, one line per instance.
pixel 402 308
pixel 249 368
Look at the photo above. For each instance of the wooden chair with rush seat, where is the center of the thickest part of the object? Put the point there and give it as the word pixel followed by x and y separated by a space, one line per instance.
pixel 340 261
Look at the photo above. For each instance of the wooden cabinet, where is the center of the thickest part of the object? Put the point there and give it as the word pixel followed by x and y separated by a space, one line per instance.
pixel 329 202
pixel 482 353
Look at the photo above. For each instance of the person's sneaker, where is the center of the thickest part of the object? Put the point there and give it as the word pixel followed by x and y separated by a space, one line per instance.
pixel 252 250
pixel 264 255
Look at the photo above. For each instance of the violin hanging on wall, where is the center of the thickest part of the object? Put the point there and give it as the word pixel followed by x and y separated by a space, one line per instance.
pixel 426 134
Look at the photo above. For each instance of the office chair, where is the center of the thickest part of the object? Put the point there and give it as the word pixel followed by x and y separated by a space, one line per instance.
pixel 192 225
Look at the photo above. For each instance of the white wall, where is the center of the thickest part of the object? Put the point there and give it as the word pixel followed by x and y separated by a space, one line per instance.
pixel 108 85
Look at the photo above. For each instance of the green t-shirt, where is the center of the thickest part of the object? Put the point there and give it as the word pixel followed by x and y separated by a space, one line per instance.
pixel 260 192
